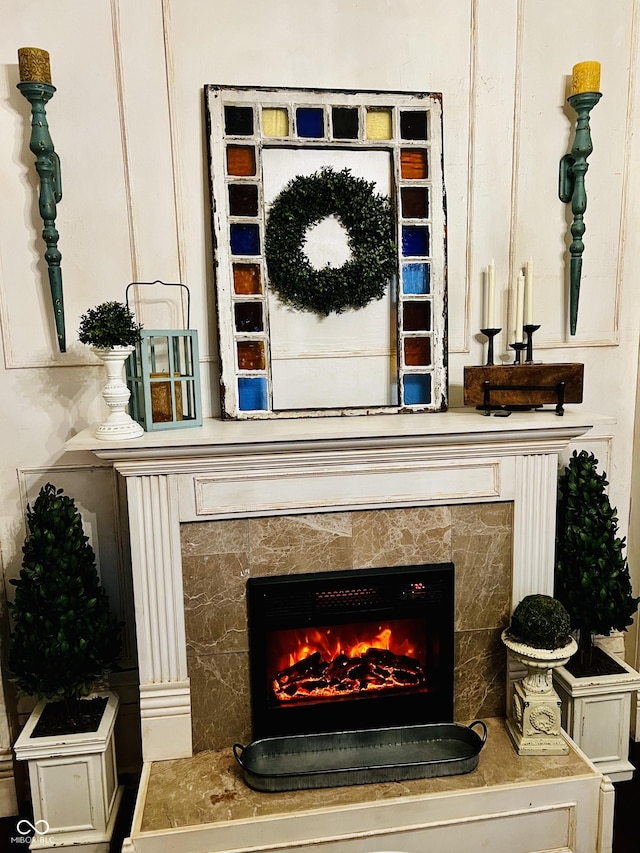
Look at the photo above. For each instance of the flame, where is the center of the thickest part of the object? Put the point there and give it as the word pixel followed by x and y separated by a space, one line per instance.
pixel 346 644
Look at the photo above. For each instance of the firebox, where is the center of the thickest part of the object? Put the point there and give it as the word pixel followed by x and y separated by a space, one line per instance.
pixel 333 651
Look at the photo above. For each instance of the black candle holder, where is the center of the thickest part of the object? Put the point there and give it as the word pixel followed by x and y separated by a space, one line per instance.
pixel 490 335
pixel 518 347
pixel 529 329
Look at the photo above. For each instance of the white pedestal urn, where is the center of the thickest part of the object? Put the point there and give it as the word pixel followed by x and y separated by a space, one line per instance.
pixel 533 721
pixel 119 424
pixel 74 784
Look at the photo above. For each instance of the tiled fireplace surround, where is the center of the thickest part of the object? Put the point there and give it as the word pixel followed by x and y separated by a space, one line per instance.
pixel 219 556
pixel 212 506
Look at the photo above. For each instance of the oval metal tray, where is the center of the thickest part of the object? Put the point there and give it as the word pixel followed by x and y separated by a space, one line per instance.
pixel 334 759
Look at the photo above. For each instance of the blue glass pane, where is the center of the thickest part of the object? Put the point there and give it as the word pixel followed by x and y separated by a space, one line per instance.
pixel 252 393
pixel 417 389
pixel 310 122
pixel 245 240
pixel 415 240
pixel 416 278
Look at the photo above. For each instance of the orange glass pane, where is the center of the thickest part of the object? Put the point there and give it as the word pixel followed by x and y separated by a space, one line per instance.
pixel 417 351
pixel 241 160
pixel 251 355
pixel 246 279
pixel 413 163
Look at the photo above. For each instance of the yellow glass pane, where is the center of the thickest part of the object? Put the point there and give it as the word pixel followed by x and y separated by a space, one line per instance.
pixel 379 124
pixel 275 122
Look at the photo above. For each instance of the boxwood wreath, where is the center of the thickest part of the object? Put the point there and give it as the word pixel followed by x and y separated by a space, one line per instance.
pixel 368 221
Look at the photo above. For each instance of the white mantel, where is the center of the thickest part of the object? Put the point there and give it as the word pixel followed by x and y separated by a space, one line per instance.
pixel 232 469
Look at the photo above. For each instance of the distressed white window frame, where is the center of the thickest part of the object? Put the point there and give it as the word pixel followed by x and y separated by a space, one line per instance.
pixel 392 335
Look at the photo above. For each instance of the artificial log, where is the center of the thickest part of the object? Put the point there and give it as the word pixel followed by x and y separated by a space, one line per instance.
pixel 377 669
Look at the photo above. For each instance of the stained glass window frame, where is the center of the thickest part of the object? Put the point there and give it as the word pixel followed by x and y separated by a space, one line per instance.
pixel 421 277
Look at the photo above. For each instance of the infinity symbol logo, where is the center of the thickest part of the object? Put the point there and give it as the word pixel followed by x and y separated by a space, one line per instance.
pixel 24 827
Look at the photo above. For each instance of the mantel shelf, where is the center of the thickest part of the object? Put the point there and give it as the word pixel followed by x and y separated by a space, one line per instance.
pixel 463 426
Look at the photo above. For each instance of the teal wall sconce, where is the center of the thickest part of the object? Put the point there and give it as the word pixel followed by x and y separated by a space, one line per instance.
pixel 35 85
pixel 573 168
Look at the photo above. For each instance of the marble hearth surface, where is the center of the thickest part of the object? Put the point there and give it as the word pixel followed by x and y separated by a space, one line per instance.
pixel 208 788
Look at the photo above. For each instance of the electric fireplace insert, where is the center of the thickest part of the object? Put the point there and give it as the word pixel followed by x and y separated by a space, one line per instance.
pixel 336 651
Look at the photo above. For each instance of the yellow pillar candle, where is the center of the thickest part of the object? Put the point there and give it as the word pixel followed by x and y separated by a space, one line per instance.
pixel 585 78
pixel 33 64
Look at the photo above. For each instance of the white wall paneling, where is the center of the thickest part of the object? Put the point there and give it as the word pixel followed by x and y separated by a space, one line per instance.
pixel 128 122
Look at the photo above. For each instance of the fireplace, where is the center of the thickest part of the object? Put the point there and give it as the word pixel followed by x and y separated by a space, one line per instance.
pixel 358 649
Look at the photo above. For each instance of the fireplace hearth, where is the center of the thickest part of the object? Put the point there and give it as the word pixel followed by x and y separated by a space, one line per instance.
pixel 358 649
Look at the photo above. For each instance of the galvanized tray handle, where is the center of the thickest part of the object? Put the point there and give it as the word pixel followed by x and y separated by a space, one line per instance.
pixel 483 737
pixel 238 749
pixel 165 284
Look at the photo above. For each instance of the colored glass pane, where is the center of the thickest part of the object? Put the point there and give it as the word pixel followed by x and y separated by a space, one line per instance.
pixel 417 389
pixel 416 278
pixel 415 203
pixel 238 121
pixel 275 122
pixel 379 125
pixel 243 199
pixel 345 122
pixel 417 351
pixel 245 240
pixel 248 316
pixel 246 279
pixel 241 160
pixel 415 240
pixel 413 124
pixel 416 316
pixel 252 393
pixel 310 121
pixel 251 355
pixel 413 163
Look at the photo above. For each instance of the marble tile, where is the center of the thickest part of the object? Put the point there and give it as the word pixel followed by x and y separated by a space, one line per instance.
pixel 220 700
pixel 479 675
pixel 481 540
pixel 299 544
pixel 400 537
pixel 214 603
pixel 214 537
pixel 209 788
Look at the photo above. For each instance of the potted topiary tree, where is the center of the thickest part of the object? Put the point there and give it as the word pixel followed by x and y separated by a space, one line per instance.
pixel 112 332
pixel 64 641
pixel 538 637
pixel 592 581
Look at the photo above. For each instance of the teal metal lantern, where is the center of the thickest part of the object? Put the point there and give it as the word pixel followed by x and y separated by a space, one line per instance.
pixel 163 375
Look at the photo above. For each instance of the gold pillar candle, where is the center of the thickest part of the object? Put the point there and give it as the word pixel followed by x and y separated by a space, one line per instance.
pixel 34 65
pixel 585 78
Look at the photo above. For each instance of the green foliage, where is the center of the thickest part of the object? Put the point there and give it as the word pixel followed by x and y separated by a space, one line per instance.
pixel 540 621
pixel 366 216
pixel 592 576
pixel 64 637
pixel 110 324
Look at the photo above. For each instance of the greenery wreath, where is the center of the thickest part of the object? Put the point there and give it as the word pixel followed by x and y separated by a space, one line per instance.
pixel 367 218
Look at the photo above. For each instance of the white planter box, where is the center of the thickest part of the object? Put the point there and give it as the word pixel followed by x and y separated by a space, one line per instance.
pixel 74 783
pixel 596 713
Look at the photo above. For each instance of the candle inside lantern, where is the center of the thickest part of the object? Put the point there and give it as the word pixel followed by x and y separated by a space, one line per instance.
pixel 528 291
pixel 33 63
pixel 585 78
